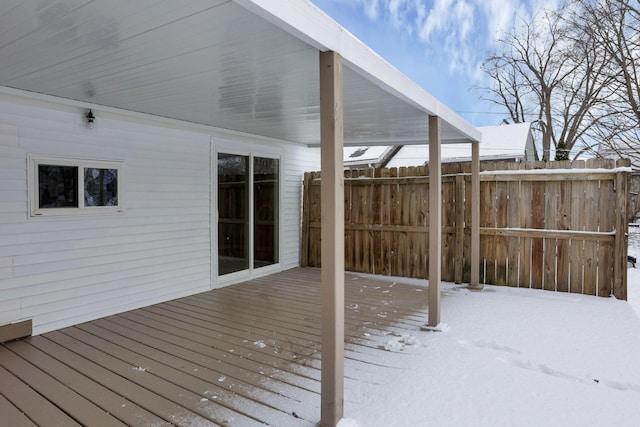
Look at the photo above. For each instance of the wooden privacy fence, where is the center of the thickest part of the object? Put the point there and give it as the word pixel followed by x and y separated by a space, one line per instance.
pixel 558 226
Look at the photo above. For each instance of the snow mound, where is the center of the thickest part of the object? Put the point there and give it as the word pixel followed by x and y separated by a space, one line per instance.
pixel 400 343
pixel 348 422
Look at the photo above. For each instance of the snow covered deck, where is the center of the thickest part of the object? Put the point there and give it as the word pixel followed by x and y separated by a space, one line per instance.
pixel 247 354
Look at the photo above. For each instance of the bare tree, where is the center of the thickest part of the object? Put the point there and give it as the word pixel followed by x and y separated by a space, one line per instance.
pixel 547 71
pixel 616 25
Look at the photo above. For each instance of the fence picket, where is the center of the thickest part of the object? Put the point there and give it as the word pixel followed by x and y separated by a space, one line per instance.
pixel 577 246
pixel 563 222
pixel 551 192
pixel 513 243
pixel 605 251
pixel 526 221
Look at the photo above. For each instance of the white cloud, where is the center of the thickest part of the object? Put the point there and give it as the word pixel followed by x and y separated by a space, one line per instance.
pixel 436 20
pixel 500 16
pixel 464 16
pixel 399 11
pixel 372 9
pixel 458 33
pixel 449 26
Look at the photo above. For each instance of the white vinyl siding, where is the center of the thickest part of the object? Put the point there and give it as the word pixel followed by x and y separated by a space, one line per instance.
pixel 60 271
pixel 298 161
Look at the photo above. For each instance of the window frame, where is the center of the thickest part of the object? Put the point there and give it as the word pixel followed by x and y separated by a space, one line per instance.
pixel 36 211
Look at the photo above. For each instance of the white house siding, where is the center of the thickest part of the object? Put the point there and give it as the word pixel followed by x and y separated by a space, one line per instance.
pixel 297 161
pixel 66 270
pixel 60 271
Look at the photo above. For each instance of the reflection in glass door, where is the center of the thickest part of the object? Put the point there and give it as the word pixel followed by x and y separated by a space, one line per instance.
pixel 233 213
pixel 248 212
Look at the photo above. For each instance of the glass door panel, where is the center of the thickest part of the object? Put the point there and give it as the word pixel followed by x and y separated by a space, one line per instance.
pixel 233 213
pixel 266 176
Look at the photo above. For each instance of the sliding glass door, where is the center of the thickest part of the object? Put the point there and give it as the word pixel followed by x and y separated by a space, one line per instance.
pixel 248 212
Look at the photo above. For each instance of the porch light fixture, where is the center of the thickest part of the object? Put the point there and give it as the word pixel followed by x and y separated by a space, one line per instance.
pixel 90 118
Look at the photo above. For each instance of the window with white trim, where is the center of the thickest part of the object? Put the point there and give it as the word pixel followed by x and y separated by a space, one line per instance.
pixel 63 186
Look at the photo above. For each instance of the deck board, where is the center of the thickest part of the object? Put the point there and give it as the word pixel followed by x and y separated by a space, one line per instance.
pixel 244 355
pixel 106 399
pixel 28 401
pixel 219 356
pixel 12 416
pixel 82 410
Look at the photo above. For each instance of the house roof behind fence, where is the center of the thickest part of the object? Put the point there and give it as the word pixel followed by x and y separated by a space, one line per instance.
pixel 504 142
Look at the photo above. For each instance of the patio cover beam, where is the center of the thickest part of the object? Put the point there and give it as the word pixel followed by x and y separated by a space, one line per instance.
pixel 332 242
pixel 435 220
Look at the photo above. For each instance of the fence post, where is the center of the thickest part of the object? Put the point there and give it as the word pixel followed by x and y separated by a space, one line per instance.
pixel 474 283
pixel 621 240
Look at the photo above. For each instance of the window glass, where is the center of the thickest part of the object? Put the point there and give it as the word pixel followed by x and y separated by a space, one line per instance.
pixel 100 187
pixel 233 213
pixel 57 186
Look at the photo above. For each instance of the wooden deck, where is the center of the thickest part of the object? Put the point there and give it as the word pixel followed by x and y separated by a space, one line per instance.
pixel 244 355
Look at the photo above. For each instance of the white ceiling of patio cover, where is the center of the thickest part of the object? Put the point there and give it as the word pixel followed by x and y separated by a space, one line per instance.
pixel 209 62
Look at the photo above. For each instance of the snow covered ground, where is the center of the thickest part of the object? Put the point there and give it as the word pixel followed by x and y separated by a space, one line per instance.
pixel 511 357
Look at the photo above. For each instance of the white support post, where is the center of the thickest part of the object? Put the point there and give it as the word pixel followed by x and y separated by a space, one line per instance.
pixel 332 245
pixel 475 217
pixel 435 221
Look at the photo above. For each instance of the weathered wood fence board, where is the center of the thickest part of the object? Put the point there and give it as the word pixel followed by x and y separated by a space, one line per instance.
pixel 558 226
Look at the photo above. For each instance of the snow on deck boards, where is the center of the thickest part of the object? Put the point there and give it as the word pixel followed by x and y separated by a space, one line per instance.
pixel 247 354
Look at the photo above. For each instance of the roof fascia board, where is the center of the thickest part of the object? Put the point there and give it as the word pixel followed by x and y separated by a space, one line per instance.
pixel 311 25
pixel 367 143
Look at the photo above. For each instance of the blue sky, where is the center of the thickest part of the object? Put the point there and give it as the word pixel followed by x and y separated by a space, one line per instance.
pixel 440 44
